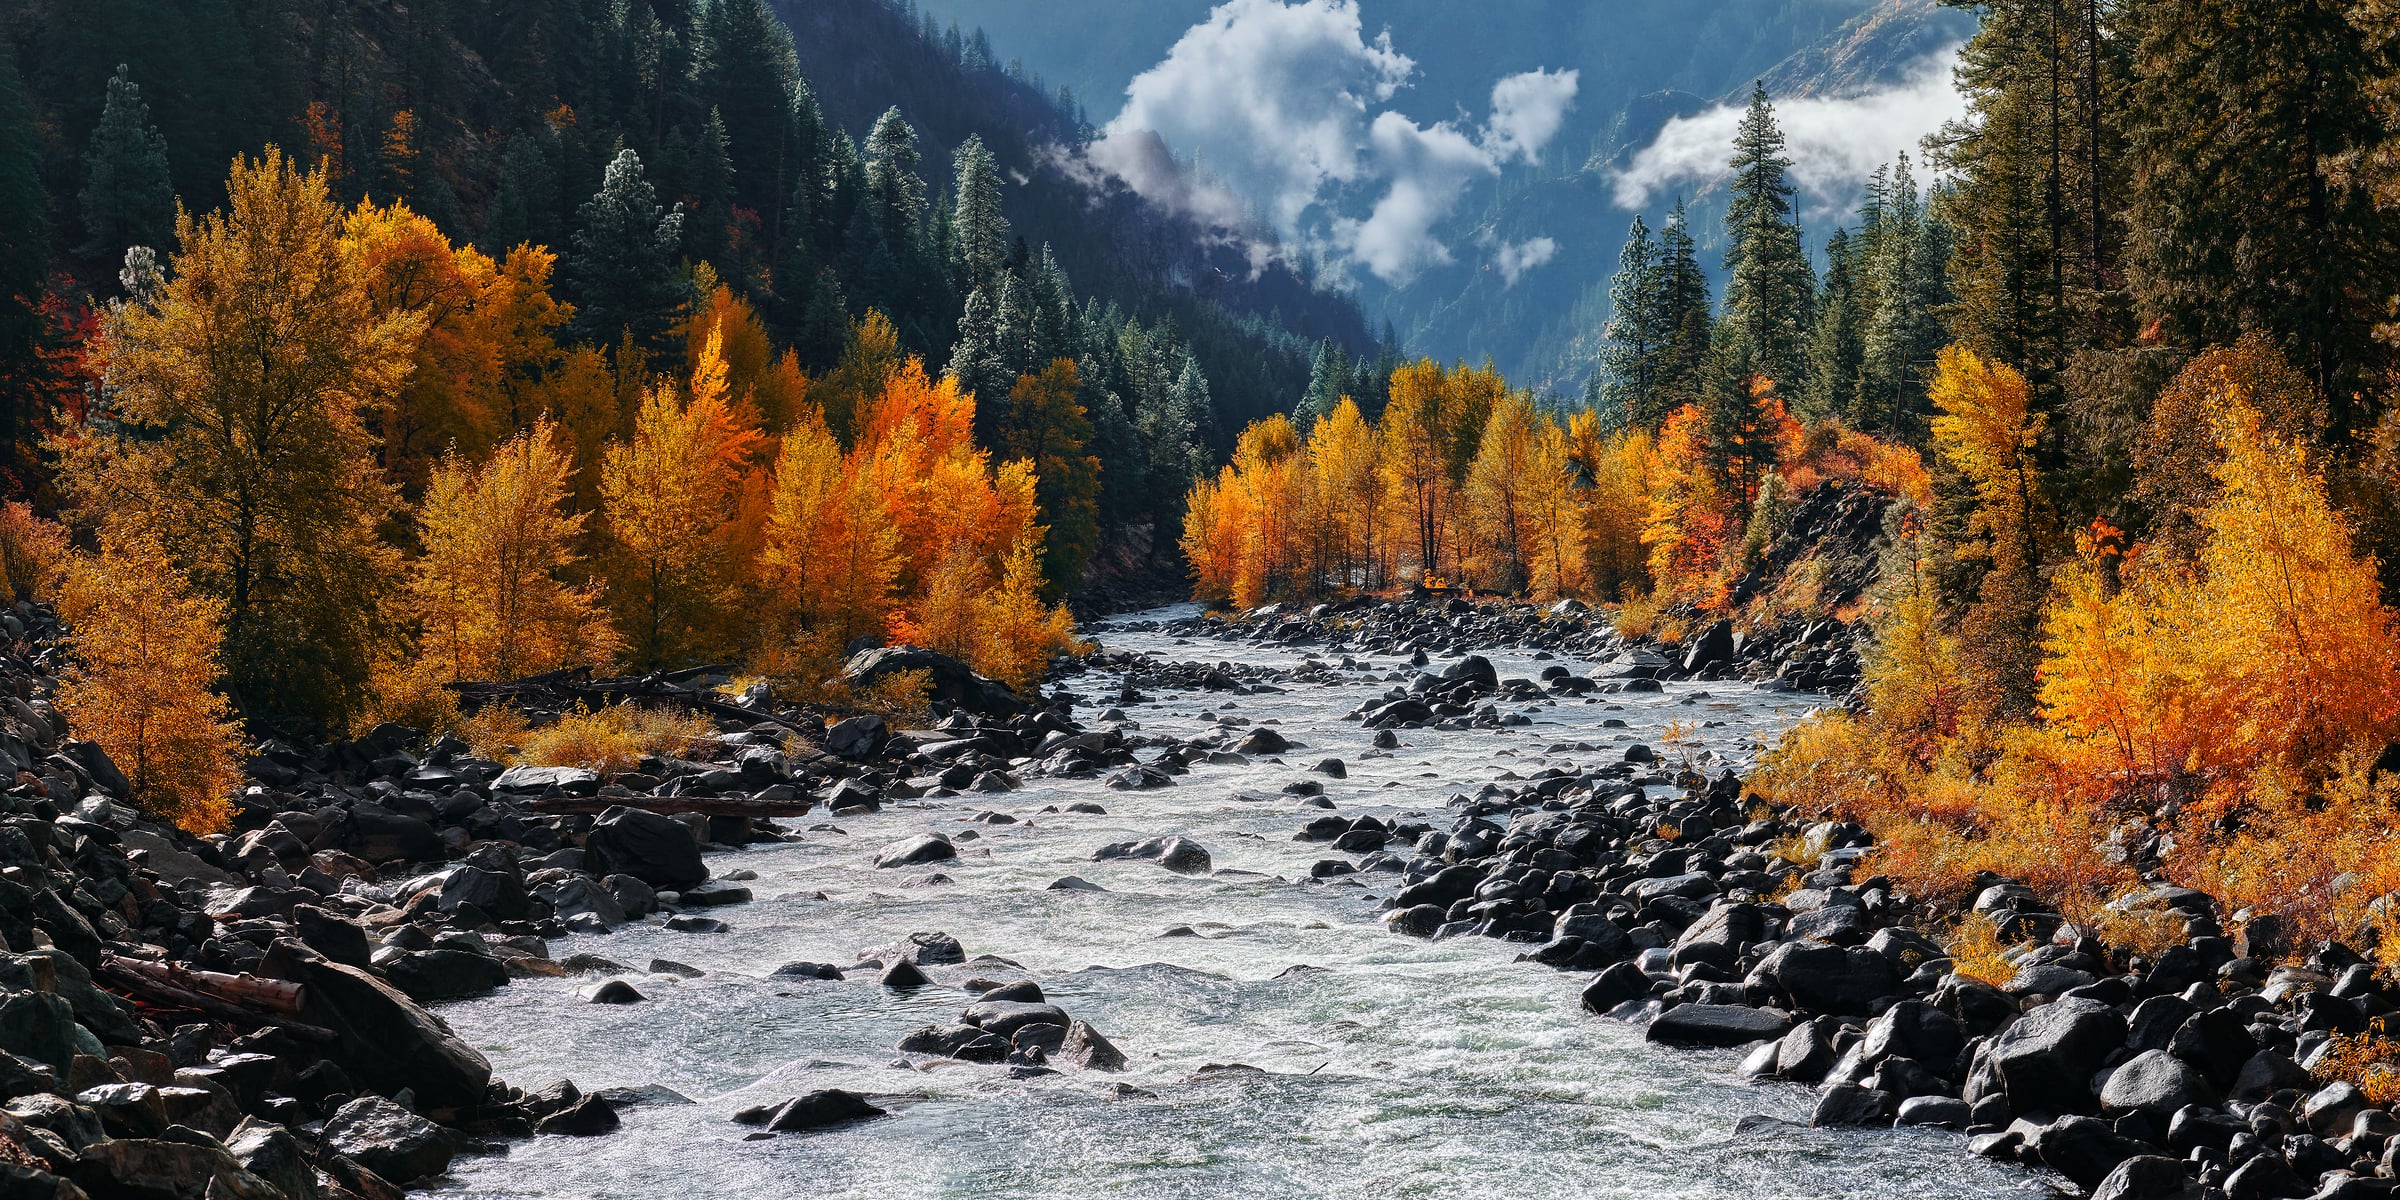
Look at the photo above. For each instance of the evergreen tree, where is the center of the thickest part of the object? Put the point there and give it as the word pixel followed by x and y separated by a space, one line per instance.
pixel 1769 286
pixel 1837 338
pixel 975 362
pixel 1911 256
pixel 1328 382
pixel 1637 338
pixel 1684 313
pixel 25 381
pixel 127 198
pixel 2239 114
pixel 712 177
pixel 745 73
pixel 891 159
pixel 979 231
pixel 622 275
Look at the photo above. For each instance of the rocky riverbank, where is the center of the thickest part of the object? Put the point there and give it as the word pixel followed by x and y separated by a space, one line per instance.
pixel 1718 923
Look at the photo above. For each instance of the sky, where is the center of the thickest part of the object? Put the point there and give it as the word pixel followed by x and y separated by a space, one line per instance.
pixel 1276 123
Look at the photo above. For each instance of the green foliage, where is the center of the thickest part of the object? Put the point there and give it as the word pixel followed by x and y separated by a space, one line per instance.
pixel 622 274
pixel 127 198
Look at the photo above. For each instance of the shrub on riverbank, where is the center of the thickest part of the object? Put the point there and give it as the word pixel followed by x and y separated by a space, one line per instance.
pixel 2211 718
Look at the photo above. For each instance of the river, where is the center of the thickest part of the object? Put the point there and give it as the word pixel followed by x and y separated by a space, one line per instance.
pixel 1390 1067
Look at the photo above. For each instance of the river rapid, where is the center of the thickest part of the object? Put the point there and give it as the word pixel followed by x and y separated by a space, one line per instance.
pixel 1388 1066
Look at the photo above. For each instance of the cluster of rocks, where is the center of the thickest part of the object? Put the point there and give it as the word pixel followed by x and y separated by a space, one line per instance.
pixel 2184 1074
pixel 136 1062
pixel 245 1014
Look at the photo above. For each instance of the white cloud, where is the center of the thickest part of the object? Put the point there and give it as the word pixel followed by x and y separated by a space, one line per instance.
pixel 1272 96
pixel 1513 259
pixel 1280 105
pixel 1834 142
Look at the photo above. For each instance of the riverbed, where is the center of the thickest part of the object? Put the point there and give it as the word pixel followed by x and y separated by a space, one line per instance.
pixel 1384 1066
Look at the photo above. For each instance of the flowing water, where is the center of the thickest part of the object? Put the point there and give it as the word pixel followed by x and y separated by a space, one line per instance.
pixel 1387 1066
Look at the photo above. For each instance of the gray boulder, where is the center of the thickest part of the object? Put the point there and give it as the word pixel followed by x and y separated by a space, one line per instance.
pixel 1716 1025
pixel 2153 1082
pixel 924 848
pixel 947 680
pixel 658 850
pixel 389 1140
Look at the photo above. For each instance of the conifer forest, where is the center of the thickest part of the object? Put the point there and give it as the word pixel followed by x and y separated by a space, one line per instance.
pixel 1358 598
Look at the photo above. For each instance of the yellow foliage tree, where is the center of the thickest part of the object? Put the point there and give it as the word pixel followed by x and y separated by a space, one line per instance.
pixel 242 387
pixel 668 499
pixel 33 551
pixel 145 645
pixel 831 550
pixel 491 597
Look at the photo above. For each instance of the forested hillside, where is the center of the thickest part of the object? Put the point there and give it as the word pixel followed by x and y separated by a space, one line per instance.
pixel 497 125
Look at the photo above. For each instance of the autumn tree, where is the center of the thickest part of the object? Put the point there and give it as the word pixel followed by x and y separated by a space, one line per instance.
pixel 832 552
pixel 492 596
pixel 667 499
pixel 1046 427
pixel 1347 495
pixel 241 389
pixel 145 644
pixel 1988 432
pixel 489 337
pixel 1513 466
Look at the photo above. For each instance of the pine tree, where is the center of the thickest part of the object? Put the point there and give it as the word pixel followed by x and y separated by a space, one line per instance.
pixel 1637 337
pixel 979 230
pixel 891 159
pixel 127 198
pixel 525 206
pixel 1048 427
pixel 1911 258
pixel 975 358
pixel 1769 287
pixel 26 382
pixel 1837 339
pixel 2238 114
pixel 1328 382
pixel 744 74
pixel 1684 316
pixel 622 275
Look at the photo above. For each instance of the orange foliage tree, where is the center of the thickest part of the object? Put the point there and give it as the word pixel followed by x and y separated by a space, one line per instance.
pixel 145 647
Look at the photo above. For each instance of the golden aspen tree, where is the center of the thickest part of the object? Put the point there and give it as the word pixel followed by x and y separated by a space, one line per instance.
pixel 1613 503
pixel 870 358
pixel 831 551
pixel 1211 538
pixel 1266 468
pixel 1416 449
pixel 1497 500
pixel 667 497
pixel 1345 456
pixel 1687 528
pixel 489 334
pixel 1988 432
pixel 490 597
pixel 1556 559
pixel 1016 633
pixel 241 386
pixel 146 644
pixel 771 387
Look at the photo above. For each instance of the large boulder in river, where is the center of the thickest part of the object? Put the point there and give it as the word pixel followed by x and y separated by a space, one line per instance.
pixel 946 679
pixel 916 851
pixel 389 1140
pixel 1714 647
pixel 379 835
pixel 1179 854
pixel 658 850
pixel 1717 1025
pixel 1474 669
pixel 382 1038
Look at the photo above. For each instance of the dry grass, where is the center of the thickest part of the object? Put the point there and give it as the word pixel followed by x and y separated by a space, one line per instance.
pixel 609 740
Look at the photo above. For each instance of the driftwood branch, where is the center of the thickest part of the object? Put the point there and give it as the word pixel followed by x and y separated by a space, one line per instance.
pixel 244 1000
pixel 710 806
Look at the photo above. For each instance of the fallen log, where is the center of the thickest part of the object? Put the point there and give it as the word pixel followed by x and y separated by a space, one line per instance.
pixel 707 806
pixel 150 982
pixel 280 995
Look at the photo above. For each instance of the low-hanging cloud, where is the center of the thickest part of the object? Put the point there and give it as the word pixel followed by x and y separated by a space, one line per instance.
pixel 1834 142
pixel 1279 106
